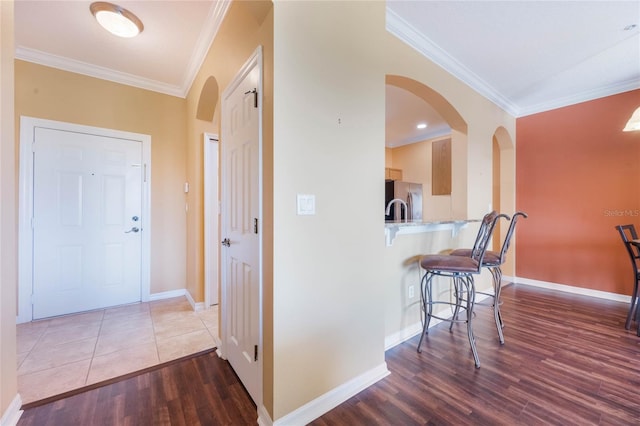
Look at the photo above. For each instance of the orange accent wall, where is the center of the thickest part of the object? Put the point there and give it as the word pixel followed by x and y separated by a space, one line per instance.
pixel 578 176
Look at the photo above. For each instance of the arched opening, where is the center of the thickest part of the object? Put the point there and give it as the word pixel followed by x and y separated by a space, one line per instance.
pixel 503 178
pixel 435 158
pixel 208 100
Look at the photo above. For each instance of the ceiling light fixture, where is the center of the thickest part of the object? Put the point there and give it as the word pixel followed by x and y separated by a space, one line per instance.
pixel 421 126
pixel 116 20
pixel 634 122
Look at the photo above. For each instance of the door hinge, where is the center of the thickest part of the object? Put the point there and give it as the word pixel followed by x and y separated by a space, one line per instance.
pixel 255 97
pixel 33 299
pixel 255 352
pixel 255 225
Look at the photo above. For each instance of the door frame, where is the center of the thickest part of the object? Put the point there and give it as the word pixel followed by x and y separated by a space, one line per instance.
pixel 25 205
pixel 255 61
pixel 211 219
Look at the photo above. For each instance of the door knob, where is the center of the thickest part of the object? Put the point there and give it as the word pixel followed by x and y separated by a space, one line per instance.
pixel 226 242
pixel 134 229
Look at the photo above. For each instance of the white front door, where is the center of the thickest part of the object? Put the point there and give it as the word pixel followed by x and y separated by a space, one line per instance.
pixel 241 213
pixel 87 224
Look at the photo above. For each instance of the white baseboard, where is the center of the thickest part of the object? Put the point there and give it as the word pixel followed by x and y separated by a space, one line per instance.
pixel 195 306
pixel 416 328
pixel 13 412
pixel 324 403
pixel 177 293
pixel 167 294
pixel 405 334
pixel 264 419
pixel 570 289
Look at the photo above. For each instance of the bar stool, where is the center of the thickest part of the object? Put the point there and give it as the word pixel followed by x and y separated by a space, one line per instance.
pixel 628 233
pixel 493 261
pixel 461 270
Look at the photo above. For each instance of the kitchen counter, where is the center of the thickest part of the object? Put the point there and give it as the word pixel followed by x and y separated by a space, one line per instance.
pixel 394 228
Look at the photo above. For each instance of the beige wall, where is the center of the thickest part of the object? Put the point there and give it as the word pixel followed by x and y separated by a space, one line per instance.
pixel 471 177
pixel 8 214
pixel 49 93
pixel 332 271
pixel 247 25
pixel 326 277
pixel 328 141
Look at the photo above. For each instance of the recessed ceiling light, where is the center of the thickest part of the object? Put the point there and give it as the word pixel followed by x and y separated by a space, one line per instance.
pixel 116 20
pixel 421 126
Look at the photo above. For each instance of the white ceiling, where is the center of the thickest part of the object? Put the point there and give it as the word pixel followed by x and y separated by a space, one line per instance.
pixel 526 56
pixel 164 57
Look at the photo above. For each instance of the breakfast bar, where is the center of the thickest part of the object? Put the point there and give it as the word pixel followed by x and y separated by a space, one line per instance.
pixel 394 228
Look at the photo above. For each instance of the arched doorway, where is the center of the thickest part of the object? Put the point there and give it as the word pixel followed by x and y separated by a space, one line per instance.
pixel 503 181
pixel 438 205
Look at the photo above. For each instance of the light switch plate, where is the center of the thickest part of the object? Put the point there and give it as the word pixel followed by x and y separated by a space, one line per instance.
pixel 306 204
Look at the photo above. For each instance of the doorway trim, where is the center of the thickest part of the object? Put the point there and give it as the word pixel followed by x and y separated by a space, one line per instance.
pixel 25 205
pixel 211 219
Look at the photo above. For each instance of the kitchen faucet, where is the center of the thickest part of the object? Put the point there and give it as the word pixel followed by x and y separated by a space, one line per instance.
pixel 398 200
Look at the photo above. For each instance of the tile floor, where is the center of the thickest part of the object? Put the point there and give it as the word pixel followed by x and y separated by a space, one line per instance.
pixel 64 353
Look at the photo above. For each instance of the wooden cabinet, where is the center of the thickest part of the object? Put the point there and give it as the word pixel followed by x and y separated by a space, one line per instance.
pixel 392 174
pixel 441 167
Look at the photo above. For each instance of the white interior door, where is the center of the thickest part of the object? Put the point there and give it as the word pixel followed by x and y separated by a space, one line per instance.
pixel 87 199
pixel 241 226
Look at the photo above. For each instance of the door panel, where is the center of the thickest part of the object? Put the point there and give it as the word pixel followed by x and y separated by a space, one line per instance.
pixel 86 190
pixel 240 142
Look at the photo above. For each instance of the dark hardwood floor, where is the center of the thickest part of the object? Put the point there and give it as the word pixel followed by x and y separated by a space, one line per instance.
pixel 198 390
pixel 567 360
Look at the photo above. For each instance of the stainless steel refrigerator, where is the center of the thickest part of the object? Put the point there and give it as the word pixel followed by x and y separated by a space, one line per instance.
pixel 410 193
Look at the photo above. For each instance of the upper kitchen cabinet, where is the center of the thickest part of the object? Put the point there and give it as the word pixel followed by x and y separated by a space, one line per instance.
pixel 392 174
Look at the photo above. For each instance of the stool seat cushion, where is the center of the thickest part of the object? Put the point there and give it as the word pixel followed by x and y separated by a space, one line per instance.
pixel 491 258
pixel 447 263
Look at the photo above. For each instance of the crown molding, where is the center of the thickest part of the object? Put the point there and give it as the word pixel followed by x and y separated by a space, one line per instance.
pixel 216 15
pixel 408 34
pixel 214 20
pixel 79 67
pixel 585 96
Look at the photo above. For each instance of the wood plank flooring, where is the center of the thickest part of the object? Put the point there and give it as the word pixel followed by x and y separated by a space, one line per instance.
pixel 567 360
pixel 199 390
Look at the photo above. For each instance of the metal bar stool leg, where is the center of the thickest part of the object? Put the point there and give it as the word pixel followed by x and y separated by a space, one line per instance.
pixel 457 293
pixel 471 293
pixel 427 306
pixel 638 316
pixel 634 298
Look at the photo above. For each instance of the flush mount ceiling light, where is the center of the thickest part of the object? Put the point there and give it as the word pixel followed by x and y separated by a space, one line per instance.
pixel 421 126
pixel 634 122
pixel 116 20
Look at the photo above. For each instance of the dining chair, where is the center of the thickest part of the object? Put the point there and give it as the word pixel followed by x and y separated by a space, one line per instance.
pixel 493 261
pixel 461 271
pixel 628 233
